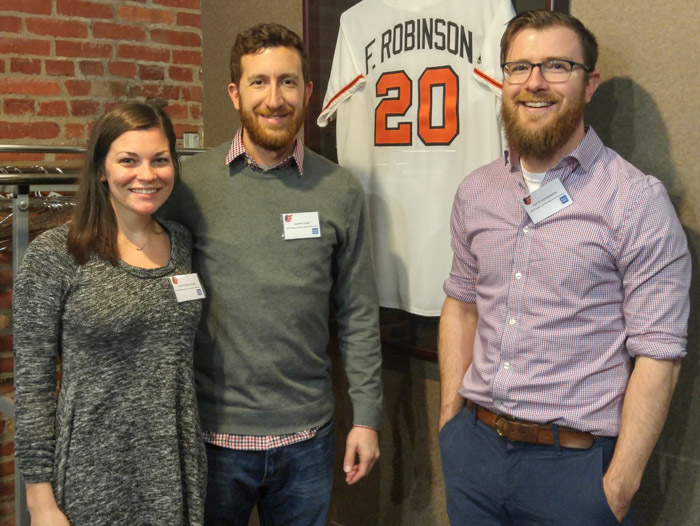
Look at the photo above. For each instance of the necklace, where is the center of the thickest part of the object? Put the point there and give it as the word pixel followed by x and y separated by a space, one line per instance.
pixel 134 245
pixel 125 240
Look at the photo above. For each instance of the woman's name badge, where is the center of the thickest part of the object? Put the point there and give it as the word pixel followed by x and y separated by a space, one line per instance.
pixel 187 287
pixel 546 201
pixel 300 225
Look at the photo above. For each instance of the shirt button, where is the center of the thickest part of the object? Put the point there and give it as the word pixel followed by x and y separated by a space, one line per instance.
pixel 526 229
pixel 518 275
pixel 506 365
pixel 512 321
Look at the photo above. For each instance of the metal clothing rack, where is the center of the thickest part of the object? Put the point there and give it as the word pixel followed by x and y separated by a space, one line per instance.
pixel 23 181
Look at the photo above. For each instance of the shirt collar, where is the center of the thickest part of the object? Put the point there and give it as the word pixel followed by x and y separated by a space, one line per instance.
pixel 237 151
pixel 585 153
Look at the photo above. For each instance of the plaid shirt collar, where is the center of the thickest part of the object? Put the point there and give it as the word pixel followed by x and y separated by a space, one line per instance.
pixel 237 150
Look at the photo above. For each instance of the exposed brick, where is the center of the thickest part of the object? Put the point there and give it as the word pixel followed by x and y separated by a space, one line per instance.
pixel 181 74
pixel 118 31
pixel 118 89
pixel 78 88
pixel 196 111
pixel 6 342
pixel 64 68
pixel 18 107
pixel 7 510
pixel 187 57
pixel 57 28
pixel 16 157
pixel 74 131
pixel 54 108
pixel 151 72
pixel 28 130
pixel 176 38
pixel 29 87
pixel 69 48
pixel 192 93
pixel 35 7
pixel 91 67
pixel 189 19
pixel 2 66
pixel 10 24
pixel 83 9
pixel 122 69
pixel 187 4
pixel 81 108
pixel 107 107
pixel 8 484
pixel 142 14
pixel 30 66
pixel 180 129
pixel 155 91
pixel 6 364
pixel 143 53
pixel 69 157
pixel 24 46
pixel 176 111
pixel 7 467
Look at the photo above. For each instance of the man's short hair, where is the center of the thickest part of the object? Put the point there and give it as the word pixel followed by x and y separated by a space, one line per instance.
pixel 545 19
pixel 263 36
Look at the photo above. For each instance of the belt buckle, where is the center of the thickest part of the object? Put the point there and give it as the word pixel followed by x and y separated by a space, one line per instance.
pixel 497 425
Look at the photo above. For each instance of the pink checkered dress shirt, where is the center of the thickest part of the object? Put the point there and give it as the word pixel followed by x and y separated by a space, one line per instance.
pixel 565 305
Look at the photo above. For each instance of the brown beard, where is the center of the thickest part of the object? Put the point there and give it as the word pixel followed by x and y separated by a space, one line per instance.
pixel 272 139
pixel 543 143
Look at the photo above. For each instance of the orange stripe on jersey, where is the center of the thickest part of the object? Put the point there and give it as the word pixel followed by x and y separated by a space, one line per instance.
pixel 346 88
pixel 488 79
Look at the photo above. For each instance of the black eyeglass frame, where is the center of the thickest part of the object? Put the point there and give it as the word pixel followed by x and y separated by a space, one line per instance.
pixel 532 65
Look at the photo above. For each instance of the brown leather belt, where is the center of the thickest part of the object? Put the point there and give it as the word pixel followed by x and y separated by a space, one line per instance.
pixel 519 431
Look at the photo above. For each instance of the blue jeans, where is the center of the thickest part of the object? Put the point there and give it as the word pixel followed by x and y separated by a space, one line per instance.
pixel 291 485
pixel 490 481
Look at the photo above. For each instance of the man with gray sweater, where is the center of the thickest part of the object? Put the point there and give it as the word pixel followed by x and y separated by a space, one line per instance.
pixel 280 237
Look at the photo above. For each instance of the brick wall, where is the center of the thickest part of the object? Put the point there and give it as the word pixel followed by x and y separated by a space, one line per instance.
pixel 62 62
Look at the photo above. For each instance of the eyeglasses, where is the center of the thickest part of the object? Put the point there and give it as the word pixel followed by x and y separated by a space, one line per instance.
pixel 555 70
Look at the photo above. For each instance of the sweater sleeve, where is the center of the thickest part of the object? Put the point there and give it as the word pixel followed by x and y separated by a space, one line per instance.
pixel 358 311
pixel 39 296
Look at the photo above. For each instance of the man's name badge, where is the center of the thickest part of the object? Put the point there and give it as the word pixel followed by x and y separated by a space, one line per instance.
pixel 546 201
pixel 300 225
pixel 187 287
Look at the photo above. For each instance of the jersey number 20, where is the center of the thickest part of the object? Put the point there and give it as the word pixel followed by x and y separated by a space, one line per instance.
pixel 401 133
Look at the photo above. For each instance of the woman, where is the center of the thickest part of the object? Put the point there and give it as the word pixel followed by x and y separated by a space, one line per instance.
pixel 121 443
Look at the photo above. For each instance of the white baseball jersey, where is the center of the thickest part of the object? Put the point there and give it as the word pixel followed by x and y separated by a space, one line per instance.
pixel 416 91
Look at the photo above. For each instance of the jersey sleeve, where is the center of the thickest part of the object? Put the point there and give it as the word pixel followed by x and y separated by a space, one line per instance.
pixel 345 79
pixel 488 66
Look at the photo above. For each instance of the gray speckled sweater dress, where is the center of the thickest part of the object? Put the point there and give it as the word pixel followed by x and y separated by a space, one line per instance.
pixel 122 442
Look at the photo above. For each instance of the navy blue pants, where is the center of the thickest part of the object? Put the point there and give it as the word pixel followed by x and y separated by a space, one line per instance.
pixel 291 485
pixel 490 481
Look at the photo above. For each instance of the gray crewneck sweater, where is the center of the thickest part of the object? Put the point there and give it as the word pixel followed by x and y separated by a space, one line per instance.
pixel 260 353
